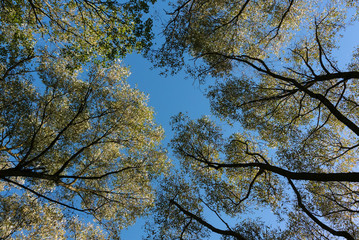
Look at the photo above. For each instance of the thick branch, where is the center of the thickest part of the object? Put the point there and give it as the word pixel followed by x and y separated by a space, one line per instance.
pixel 14 172
pixel 266 70
pixel 308 176
pixel 317 177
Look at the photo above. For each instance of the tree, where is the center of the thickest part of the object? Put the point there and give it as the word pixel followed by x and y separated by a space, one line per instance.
pixel 78 146
pixel 294 112
pixel 81 29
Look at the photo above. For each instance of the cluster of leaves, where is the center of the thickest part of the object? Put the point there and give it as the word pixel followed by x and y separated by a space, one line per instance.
pixel 77 143
pixel 297 150
pixel 84 30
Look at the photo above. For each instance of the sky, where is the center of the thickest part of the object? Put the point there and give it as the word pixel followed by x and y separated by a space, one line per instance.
pixel 168 95
pixel 173 94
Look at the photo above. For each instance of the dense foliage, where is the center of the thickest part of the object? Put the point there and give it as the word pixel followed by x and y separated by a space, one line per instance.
pixel 294 147
pixel 78 146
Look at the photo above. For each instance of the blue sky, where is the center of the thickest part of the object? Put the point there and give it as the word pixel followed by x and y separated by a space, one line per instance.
pixel 168 95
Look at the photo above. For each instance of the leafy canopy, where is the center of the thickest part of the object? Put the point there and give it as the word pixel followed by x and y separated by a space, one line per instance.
pixel 295 153
pixel 84 30
pixel 77 143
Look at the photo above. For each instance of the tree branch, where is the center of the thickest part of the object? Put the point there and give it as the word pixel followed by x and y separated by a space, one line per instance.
pixel 206 224
pixel 315 219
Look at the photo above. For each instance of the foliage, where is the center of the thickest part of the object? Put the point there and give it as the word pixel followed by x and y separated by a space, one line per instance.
pixel 78 146
pixel 83 30
pixel 296 150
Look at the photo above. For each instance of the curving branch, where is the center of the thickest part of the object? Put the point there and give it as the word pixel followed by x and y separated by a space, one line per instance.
pixel 260 66
pixel 277 28
pixel 206 224
pixel 82 107
pixel 344 234
pixel 47 198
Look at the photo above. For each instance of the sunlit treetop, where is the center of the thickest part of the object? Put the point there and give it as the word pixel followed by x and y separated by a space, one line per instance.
pixel 211 30
pixel 101 30
pixel 74 152
pixel 79 148
pixel 279 77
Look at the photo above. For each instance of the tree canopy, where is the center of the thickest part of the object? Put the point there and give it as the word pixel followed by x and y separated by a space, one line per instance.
pixel 78 146
pixel 80 29
pixel 293 103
